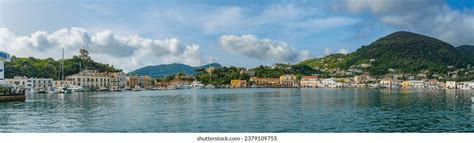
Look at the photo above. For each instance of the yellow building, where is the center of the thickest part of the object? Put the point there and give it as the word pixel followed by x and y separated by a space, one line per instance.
pixel 406 84
pixel 265 81
pixel 288 80
pixel 235 83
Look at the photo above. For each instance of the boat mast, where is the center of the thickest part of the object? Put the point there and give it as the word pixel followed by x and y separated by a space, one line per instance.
pixel 62 67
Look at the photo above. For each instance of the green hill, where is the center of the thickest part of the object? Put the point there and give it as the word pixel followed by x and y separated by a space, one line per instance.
pixel 468 52
pixel 402 51
pixel 168 69
pixel 50 68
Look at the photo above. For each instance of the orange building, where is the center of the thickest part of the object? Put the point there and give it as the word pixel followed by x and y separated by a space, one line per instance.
pixel 235 83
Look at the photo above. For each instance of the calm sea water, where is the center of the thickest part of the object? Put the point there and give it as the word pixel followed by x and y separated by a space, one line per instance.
pixel 244 110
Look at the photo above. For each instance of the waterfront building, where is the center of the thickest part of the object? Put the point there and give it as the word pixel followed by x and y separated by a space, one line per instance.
pixel 235 83
pixel 328 82
pixel 90 79
pixel 265 81
pixel 387 83
pixel 4 57
pixel 30 83
pixel 451 84
pixel 288 80
pixel 61 83
pixel 309 81
pixel 416 84
pixel 406 84
pixel 433 84
pixel 118 79
pixel 465 85
pixel 140 81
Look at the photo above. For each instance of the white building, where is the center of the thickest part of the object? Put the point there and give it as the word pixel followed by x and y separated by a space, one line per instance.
pixel 4 57
pixel 451 84
pixel 91 79
pixel 30 83
pixel 118 79
pixel 387 83
pixel 417 84
pixel 465 85
pixel 328 82
pixel 309 81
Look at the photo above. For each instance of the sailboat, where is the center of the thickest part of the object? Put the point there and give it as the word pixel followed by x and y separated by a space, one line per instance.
pixel 63 87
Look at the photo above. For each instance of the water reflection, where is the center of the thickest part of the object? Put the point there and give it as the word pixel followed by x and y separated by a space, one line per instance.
pixel 244 110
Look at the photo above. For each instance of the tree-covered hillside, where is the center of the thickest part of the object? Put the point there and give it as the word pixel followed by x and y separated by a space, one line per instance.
pixel 170 69
pixel 403 52
pixel 50 68
pixel 468 52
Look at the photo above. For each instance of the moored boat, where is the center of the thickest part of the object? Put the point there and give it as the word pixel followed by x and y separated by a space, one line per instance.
pixel 210 86
pixel 103 89
pixel 75 89
pixel 137 88
pixel 11 98
pixel 197 85
pixel 115 89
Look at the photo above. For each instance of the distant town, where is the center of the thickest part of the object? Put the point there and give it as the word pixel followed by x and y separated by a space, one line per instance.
pixel 93 80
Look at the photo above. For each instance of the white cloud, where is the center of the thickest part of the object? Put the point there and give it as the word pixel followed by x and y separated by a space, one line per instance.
pixel 343 51
pixel 262 49
pixel 432 17
pixel 126 52
pixel 327 51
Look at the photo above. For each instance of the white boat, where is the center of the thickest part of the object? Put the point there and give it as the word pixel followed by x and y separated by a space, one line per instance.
pixel 115 88
pixel 197 85
pixel 472 99
pixel 127 88
pixel 32 90
pixel 210 86
pixel 137 88
pixel 186 86
pixel 103 89
pixel 36 90
pixel 52 91
pixel 75 89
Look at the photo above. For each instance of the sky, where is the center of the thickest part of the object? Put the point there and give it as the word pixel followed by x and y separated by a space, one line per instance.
pixel 244 33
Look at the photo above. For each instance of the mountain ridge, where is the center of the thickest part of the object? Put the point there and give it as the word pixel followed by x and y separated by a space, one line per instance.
pixel 401 51
pixel 168 69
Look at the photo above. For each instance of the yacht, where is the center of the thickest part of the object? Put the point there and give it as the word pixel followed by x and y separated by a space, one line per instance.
pixel 52 90
pixel 75 89
pixel 197 85
pixel 137 88
pixel 210 86
pixel 103 89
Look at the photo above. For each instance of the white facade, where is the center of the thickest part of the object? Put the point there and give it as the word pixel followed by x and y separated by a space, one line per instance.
pixel 386 83
pixel 4 57
pixel 451 84
pixel 309 81
pixel 30 82
pixel 465 85
pixel 118 79
pixel 90 79
pixel 328 82
pixel 417 84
